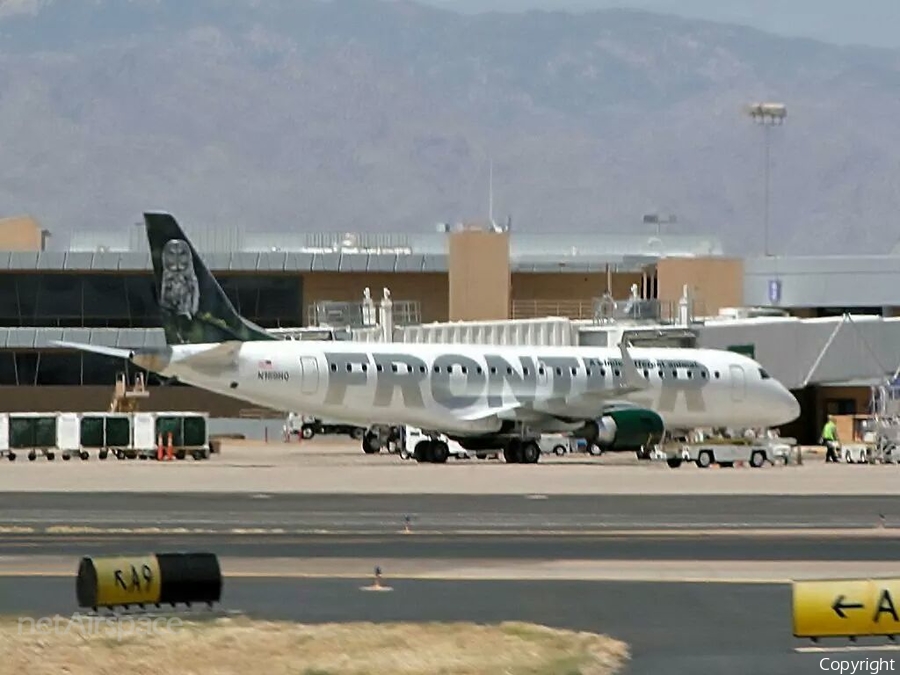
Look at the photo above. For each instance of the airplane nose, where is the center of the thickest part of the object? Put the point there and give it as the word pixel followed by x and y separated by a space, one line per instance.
pixel 789 405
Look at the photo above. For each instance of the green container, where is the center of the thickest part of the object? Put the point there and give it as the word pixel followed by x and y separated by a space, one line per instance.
pixel 166 425
pixel 92 435
pixel 195 432
pixel 21 432
pixel 118 432
pixel 45 432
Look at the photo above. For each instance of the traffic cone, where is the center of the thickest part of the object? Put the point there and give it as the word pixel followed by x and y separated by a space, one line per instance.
pixel 169 452
pixel 159 448
pixel 376 583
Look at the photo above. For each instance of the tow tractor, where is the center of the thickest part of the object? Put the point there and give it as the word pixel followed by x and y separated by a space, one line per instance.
pixel 755 453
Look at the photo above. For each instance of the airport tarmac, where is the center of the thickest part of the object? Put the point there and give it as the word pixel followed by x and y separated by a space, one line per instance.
pixel 694 583
pixel 343 468
pixel 673 628
pixel 199 512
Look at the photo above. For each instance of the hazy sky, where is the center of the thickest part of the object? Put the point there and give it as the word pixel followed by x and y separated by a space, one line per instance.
pixel 866 22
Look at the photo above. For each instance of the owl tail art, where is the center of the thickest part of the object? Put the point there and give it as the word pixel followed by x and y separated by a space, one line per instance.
pixel 193 307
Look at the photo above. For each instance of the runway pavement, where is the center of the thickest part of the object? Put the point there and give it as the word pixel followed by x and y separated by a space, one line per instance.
pixel 677 629
pixel 627 566
pixel 378 514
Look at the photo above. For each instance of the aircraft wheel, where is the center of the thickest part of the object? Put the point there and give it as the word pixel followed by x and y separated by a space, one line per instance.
pixel 529 452
pixel 512 453
pixel 371 444
pixel 423 451
pixel 51 456
pixel 704 459
pixel 11 457
pixel 440 452
pixel 32 456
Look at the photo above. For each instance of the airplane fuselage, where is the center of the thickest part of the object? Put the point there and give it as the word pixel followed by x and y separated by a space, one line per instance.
pixel 472 389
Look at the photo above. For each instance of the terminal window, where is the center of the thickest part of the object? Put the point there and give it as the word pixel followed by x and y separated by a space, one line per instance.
pixel 60 367
pixel 128 300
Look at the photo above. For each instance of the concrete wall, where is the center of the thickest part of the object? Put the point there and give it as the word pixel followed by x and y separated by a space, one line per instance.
pixel 714 282
pixel 479 275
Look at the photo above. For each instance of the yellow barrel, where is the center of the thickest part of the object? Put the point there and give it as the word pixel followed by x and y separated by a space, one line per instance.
pixel 119 581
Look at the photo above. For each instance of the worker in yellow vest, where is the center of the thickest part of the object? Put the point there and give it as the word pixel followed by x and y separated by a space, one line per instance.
pixel 830 439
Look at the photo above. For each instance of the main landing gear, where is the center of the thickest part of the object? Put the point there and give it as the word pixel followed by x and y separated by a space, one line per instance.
pixel 522 452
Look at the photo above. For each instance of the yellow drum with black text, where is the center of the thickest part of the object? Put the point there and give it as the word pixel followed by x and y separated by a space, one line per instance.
pixel 119 581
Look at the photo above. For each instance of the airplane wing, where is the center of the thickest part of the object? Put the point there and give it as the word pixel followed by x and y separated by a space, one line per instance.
pixel 557 407
pixel 634 381
pixel 484 412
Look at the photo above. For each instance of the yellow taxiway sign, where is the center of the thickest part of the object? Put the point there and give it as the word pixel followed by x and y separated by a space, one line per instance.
pixel 846 608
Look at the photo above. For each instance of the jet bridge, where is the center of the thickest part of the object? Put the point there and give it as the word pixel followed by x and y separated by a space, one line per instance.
pixel 801 352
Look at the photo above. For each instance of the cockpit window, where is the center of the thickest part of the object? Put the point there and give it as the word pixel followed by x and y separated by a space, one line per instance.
pixel 763 374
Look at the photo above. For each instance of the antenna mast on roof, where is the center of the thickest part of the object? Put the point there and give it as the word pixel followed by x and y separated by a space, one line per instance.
pixel 491 190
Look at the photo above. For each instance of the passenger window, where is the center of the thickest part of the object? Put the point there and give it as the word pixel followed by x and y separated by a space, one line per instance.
pixel 763 374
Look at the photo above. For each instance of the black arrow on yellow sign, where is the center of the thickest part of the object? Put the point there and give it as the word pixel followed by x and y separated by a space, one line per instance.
pixel 839 606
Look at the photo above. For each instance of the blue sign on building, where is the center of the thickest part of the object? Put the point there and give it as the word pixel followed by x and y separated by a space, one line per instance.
pixel 774 291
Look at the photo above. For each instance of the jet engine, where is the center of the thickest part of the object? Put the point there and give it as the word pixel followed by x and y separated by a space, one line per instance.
pixel 626 429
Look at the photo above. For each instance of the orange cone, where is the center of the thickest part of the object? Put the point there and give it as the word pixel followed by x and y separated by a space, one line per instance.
pixel 169 448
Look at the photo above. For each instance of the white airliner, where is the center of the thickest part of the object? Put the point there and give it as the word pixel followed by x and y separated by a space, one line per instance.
pixel 484 397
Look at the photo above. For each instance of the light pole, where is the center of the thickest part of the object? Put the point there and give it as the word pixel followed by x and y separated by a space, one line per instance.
pixel 767 115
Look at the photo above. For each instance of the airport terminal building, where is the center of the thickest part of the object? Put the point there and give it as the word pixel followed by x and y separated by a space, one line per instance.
pixel 98 288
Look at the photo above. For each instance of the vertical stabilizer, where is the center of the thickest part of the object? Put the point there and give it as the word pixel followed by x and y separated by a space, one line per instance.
pixel 192 304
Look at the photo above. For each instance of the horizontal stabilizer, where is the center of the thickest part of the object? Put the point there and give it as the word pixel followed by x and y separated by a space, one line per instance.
pixel 115 352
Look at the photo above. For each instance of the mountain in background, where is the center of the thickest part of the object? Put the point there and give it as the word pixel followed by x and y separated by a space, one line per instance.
pixel 871 23
pixel 359 115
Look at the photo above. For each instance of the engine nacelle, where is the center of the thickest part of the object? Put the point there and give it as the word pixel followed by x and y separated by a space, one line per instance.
pixel 628 429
